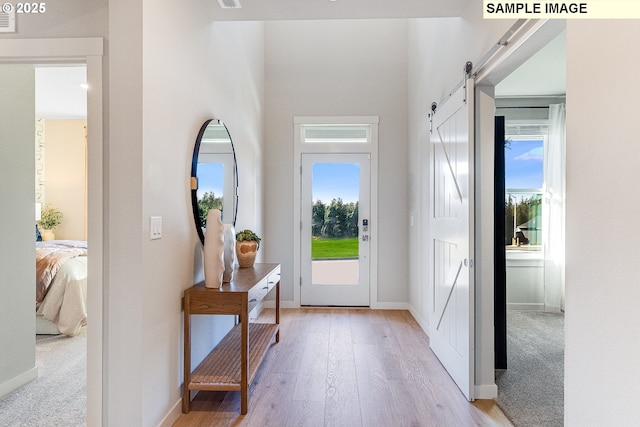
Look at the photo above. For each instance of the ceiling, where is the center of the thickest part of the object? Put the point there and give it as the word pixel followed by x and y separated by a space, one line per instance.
pixel 61 92
pixel 544 74
pixel 268 10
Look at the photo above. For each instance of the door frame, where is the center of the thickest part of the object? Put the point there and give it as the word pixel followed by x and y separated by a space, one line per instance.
pixel 88 51
pixel 370 148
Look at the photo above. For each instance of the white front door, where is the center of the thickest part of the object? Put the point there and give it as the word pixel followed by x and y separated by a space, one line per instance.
pixel 335 229
pixel 452 312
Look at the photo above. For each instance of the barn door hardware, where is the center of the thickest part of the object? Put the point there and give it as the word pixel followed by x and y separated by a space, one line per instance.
pixel 468 66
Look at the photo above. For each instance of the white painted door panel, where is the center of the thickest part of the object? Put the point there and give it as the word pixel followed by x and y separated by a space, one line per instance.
pixel 451 225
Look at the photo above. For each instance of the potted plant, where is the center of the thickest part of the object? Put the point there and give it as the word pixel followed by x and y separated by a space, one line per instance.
pixel 50 218
pixel 247 245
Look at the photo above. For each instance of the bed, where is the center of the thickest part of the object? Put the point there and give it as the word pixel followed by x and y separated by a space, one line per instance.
pixel 61 287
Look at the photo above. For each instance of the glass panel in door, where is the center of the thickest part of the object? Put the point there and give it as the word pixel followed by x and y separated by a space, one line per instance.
pixel 335 230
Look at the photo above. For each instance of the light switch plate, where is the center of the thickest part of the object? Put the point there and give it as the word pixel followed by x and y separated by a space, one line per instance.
pixel 155 227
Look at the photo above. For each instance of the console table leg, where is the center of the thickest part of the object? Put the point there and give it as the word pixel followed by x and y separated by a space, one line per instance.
pixel 244 367
pixel 186 394
pixel 278 310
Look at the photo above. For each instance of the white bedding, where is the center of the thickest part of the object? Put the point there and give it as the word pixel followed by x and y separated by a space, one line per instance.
pixel 65 303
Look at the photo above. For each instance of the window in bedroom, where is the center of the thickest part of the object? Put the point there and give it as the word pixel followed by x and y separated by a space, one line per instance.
pixel 524 172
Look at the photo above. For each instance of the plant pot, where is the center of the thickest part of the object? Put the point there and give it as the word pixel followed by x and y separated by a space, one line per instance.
pixel 246 253
pixel 47 235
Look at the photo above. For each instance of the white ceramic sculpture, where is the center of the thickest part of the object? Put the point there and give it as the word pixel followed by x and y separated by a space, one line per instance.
pixel 229 252
pixel 214 250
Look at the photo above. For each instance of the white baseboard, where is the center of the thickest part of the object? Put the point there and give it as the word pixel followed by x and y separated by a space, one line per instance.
pixel 18 381
pixel 485 391
pixel 172 416
pixel 268 304
pixel 286 304
pixel 390 306
pixel 375 306
pixel 272 304
pixel 421 321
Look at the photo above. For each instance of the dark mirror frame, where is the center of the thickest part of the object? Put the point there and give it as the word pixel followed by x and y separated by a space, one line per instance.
pixel 194 177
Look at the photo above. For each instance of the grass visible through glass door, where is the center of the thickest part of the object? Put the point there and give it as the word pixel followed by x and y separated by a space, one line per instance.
pixel 339 248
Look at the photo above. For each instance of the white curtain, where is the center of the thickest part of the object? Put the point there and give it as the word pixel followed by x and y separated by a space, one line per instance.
pixel 553 215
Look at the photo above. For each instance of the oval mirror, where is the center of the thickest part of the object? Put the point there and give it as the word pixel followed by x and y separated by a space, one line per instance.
pixel 214 175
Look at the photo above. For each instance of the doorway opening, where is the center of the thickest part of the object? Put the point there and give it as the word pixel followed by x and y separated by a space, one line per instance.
pixel 529 242
pixel 56 117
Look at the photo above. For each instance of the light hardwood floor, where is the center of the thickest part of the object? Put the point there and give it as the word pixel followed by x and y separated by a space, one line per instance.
pixel 347 367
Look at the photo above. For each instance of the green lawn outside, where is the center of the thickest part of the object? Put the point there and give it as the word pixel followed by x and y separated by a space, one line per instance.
pixel 324 248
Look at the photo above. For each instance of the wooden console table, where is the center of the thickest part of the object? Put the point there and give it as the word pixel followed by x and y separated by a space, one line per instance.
pixel 233 363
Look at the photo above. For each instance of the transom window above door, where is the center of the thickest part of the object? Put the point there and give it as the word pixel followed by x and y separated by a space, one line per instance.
pixel 332 133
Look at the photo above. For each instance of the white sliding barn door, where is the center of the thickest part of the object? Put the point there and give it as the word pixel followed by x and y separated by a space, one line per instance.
pixel 452 311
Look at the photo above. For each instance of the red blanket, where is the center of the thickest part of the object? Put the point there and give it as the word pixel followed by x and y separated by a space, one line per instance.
pixel 50 256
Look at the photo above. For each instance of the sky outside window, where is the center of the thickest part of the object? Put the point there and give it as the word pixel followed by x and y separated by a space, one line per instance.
pixel 335 180
pixel 211 175
pixel 524 163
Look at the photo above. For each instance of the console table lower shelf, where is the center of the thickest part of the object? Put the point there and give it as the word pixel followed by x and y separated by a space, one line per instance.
pixel 221 369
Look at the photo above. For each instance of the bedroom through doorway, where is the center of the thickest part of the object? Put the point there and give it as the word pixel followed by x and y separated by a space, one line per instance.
pixel 62 183
pixel 61 190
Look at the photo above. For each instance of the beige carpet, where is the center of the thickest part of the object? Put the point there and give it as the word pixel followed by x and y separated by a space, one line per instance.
pixel 58 396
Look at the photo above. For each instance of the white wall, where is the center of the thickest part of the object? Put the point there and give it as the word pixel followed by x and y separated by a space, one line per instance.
pixel 17 226
pixel 125 285
pixel 602 373
pixel 196 71
pixel 438 50
pixel 338 68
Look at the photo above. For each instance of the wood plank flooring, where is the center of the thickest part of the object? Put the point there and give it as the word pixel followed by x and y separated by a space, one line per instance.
pixel 347 367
